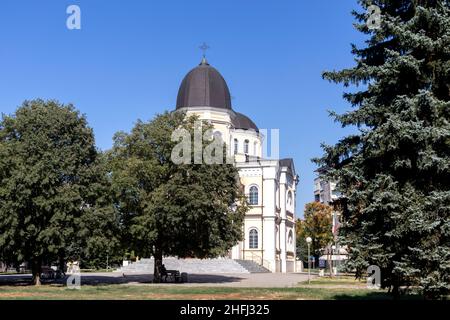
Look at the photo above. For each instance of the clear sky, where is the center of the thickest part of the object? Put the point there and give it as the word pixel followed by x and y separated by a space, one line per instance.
pixel 128 59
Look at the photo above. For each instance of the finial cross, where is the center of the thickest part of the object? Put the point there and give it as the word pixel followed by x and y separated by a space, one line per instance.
pixel 204 47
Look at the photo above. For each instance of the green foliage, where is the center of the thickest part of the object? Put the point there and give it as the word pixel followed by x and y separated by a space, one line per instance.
pixel 169 209
pixel 395 172
pixel 54 200
pixel 99 235
pixel 317 224
pixel 301 244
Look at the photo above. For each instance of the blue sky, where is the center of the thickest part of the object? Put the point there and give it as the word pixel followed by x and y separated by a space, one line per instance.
pixel 128 59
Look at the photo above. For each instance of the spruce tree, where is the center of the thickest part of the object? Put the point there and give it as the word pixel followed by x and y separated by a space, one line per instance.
pixel 394 173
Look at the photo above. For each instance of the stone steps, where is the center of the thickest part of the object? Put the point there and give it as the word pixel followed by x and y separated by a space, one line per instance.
pixel 252 266
pixel 198 266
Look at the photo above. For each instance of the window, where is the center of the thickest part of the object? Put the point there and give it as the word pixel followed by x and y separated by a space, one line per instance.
pixel 253 196
pixel 290 237
pixel 246 142
pixel 255 148
pixel 218 135
pixel 336 193
pixel 253 239
pixel 277 196
pixel 277 238
pixel 236 146
pixel 290 197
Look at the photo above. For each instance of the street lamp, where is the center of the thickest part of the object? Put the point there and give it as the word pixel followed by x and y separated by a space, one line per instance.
pixel 308 241
pixel 333 248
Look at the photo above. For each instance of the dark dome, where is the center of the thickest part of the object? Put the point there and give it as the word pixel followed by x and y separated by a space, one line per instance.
pixel 243 122
pixel 204 86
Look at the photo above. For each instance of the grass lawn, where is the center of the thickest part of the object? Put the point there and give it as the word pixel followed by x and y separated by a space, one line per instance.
pixel 340 281
pixel 319 289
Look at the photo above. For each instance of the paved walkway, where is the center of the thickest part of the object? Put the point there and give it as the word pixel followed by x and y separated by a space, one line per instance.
pixel 252 280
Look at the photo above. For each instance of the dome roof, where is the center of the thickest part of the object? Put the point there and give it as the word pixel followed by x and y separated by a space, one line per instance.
pixel 243 122
pixel 204 86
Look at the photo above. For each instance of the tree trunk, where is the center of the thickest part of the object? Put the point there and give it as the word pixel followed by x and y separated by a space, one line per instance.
pixel 158 264
pixel 396 292
pixel 396 288
pixel 36 269
pixel 62 264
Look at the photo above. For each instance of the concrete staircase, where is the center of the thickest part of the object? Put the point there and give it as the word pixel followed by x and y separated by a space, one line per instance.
pixel 252 266
pixel 196 266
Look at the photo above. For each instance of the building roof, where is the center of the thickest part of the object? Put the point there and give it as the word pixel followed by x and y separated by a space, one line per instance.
pixel 241 121
pixel 204 86
pixel 288 162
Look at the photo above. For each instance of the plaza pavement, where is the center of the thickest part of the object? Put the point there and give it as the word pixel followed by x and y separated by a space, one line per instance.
pixel 249 280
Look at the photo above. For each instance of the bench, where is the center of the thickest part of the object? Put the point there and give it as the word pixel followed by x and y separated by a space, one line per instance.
pixel 50 273
pixel 173 274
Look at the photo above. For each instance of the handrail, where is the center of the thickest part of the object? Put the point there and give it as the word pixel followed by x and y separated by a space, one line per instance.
pixel 259 260
pixel 266 264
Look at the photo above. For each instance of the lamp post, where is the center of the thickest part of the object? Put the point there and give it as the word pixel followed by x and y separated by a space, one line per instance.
pixel 333 248
pixel 338 256
pixel 308 241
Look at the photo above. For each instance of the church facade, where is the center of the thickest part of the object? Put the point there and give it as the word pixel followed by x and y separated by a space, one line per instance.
pixel 270 184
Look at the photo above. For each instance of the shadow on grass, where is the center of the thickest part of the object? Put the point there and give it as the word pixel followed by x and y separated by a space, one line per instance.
pixel 116 278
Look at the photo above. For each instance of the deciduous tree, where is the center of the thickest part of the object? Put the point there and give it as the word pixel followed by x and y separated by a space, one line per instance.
pixel 317 224
pixel 52 186
pixel 185 210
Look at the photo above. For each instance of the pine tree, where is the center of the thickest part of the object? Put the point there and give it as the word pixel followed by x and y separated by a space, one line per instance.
pixel 394 172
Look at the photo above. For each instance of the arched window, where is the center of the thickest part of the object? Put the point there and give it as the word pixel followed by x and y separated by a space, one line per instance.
pixel 246 142
pixel 290 237
pixel 236 146
pixel 253 239
pixel 253 196
pixel 277 196
pixel 277 238
pixel 290 197
pixel 218 135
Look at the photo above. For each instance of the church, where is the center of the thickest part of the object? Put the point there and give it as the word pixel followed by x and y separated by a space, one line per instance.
pixel 270 184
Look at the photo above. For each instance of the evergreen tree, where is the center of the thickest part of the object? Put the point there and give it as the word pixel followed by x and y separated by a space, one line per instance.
pixel 52 187
pixel 394 173
pixel 185 210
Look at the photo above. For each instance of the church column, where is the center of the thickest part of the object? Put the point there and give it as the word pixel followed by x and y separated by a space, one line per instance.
pixel 269 193
pixel 283 230
pixel 236 251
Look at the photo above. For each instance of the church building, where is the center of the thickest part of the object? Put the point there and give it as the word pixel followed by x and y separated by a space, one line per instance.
pixel 270 184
